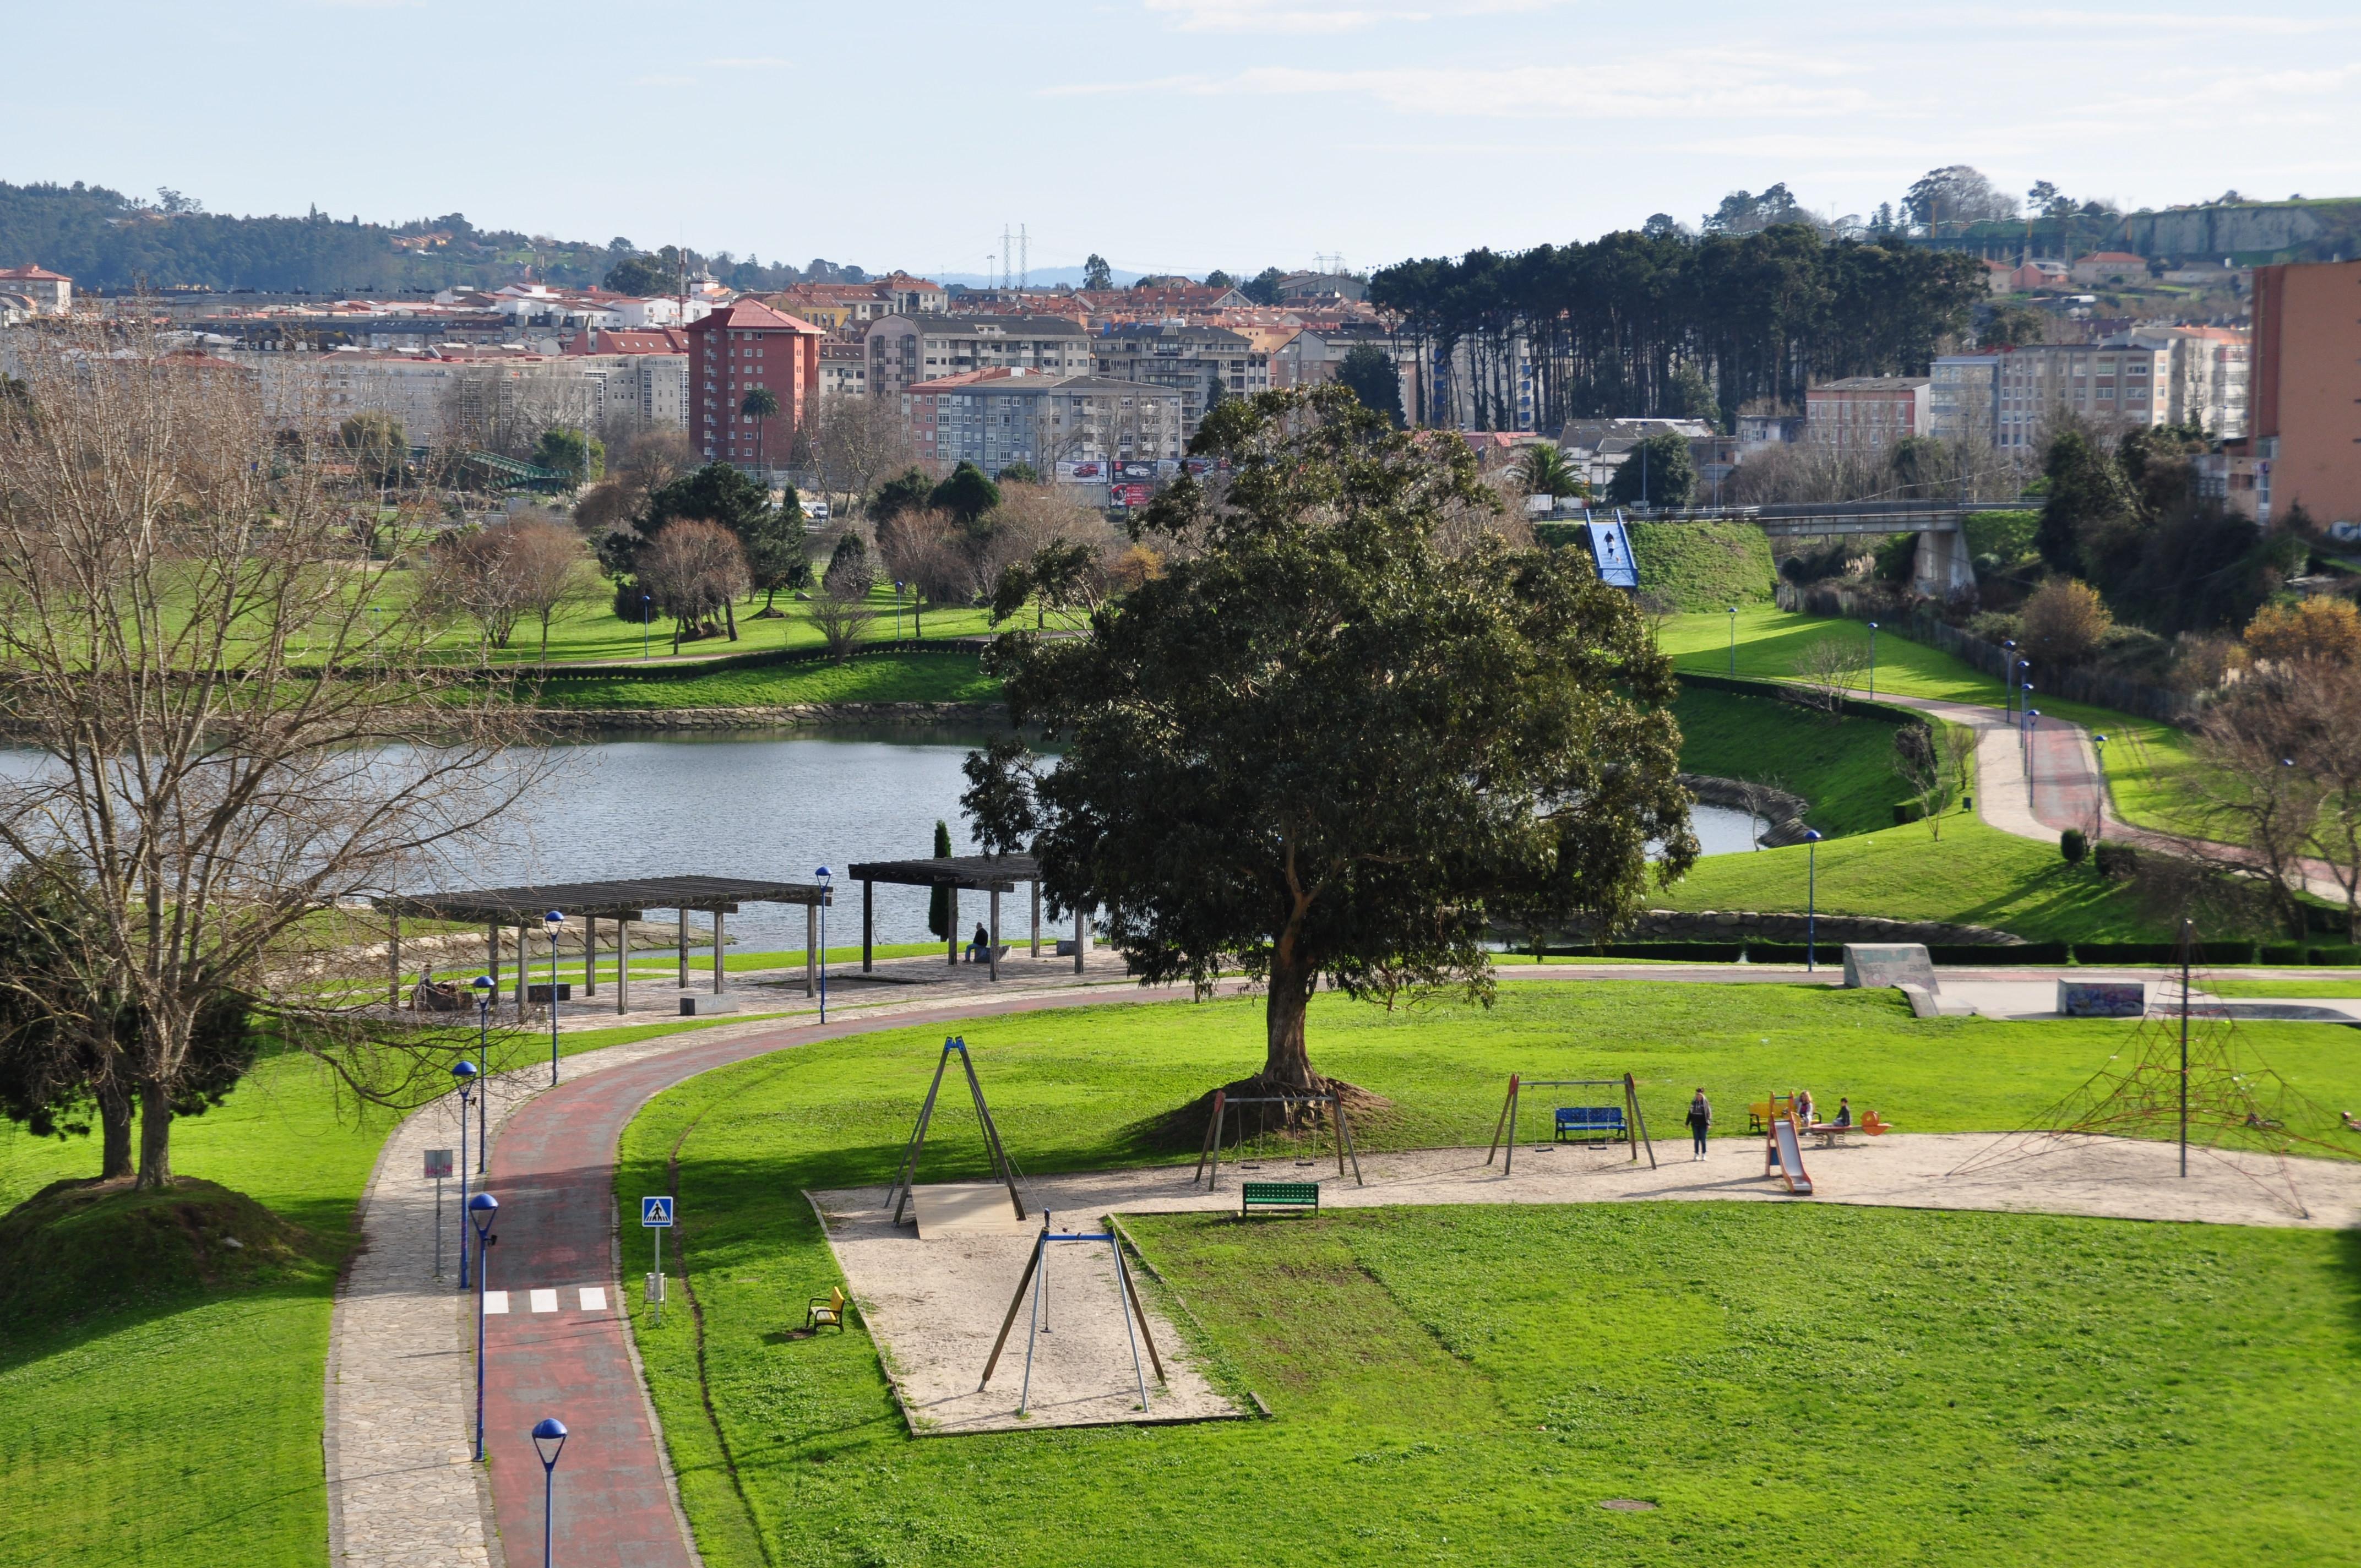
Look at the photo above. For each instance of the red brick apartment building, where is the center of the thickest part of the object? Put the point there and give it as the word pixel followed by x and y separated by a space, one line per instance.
pixel 733 351
pixel 2305 396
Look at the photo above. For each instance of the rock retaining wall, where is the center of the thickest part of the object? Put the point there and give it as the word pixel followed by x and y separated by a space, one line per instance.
pixel 1741 925
pixel 598 720
pixel 1783 810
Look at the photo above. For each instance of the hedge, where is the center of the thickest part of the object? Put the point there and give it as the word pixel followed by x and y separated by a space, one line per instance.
pixel 1782 691
pixel 1687 952
pixel 1793 953
pixel 2015 953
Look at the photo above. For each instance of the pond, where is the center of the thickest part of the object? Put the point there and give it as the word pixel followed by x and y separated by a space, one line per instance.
pixel 770 805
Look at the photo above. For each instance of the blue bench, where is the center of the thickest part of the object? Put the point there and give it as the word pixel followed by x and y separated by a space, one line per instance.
pixel 1590 1123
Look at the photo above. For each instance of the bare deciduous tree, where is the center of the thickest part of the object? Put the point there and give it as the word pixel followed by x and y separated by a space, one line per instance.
pixel 499 576
pixel 1827 669
pixel 694 571
pixel 231 735
pixel 841 618
pixel 854 442
pixel 2258 795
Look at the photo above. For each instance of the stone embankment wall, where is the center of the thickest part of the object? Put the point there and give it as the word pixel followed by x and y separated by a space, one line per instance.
pixel 1783 811
pixel 598 720
pixel 1741 925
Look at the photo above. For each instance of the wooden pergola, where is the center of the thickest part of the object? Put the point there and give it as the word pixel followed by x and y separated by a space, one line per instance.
pixel 625 901
pixel 994 874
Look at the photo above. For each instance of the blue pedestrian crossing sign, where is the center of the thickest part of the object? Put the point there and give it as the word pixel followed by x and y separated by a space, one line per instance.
pixel 655 1212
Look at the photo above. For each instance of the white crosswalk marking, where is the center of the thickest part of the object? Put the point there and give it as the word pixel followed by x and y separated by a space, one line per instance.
pixel 495 1301
pixel 594 1298
pixel 545 1300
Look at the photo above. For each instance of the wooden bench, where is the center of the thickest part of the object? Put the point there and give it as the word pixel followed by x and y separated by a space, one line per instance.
pixel 1277 1195
pixel 825 1311
pixel 1590 1123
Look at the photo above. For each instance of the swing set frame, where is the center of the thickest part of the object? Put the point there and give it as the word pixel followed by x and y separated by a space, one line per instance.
pixel 899 1194
pixel 1635 1121
pixel 1036 1277
pixel 1210 1152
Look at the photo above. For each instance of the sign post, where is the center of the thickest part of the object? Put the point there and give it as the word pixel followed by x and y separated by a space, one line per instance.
pixel 438 1167
pixel 656 1214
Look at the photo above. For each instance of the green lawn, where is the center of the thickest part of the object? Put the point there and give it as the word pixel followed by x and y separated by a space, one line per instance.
pixel 1808 1384
pixel 1843 766
pixel 1975 874
pixel 1401 1421
pixel 2146 763
pixel 181 1426
pixel 2286 990
pixel 875 677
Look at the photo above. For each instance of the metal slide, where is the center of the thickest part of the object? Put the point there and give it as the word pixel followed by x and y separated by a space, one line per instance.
pixel 1791 1157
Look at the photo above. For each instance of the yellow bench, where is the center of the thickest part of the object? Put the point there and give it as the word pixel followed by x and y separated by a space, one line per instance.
pixel 825 1311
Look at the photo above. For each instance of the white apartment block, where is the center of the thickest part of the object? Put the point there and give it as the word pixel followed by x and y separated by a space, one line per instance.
pixel 446 402
pixel 904 349
pixel 2111 386
pixel 996 419
pixel 2207 380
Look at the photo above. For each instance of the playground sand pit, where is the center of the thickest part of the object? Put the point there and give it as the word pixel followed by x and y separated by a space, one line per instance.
pixel 935 1306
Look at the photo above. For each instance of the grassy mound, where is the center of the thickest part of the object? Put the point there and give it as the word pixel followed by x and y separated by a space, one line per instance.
pixel 1704 565
pixel 1843 766
pixel 78 1249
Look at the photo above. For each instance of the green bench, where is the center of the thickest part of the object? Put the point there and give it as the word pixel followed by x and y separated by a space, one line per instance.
pixel 1276 1195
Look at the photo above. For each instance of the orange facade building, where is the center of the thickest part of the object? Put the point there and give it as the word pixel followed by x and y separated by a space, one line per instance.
pixel 735 350
pixel 2306 391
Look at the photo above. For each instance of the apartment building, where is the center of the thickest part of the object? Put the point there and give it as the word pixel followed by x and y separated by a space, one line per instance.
pixel 1312 354
pixel 1203 363
pixel 739 348
pixel 2207 377
pixel 907 347
pixel 994 418
pixel 843 370
pixel 2111 386
pixel 1964 397
pixel 2306 405
pixel 1864 415
pixel 49 293
pixel 485 401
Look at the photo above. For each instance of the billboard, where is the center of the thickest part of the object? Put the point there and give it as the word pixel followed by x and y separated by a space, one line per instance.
pixel 1610 549
pixel 1130 494
pixel 1084 471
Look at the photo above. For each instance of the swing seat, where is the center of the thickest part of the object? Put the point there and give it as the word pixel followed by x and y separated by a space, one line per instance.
pixel 825 1311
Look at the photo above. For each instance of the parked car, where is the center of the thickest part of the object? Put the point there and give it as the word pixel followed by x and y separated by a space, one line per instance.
pixel 816 512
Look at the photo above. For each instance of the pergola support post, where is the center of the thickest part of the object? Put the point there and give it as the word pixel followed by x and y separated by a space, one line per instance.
pixel 590 955
pixel 868 926
pixel 522 968
pixel 492 955
pixel 992 947
pixel 622 966
pixel 718 962
pixel 1037 916
pixel 1082 938
pixel 951 943
pixel 680 949
pixel 393 959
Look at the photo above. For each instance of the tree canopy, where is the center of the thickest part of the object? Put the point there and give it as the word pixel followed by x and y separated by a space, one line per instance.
pixel 1661 468
pixel 1324 745
pixel 967 494
pixel 1369 371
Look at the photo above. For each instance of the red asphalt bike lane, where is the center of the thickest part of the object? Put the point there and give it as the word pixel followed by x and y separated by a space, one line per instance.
pixel 552 1169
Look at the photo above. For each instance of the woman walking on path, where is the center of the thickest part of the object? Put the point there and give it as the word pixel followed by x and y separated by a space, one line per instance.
pixel 1700 1118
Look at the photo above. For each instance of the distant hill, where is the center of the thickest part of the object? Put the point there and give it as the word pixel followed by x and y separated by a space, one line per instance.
pixel 111 243
pixel 2246 233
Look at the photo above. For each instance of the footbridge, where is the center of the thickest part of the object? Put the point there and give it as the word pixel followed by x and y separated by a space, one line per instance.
pixel 1942 567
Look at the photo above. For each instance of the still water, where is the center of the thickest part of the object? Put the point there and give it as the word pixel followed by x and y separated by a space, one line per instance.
pixel 774 806
pixel 779 807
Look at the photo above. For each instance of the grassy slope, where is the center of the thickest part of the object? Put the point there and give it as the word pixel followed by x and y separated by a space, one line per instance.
pixel 185 1429
pixel 1974 874
pixel 2146 763
pixel 830 1478
pixel 1842 767
pixel 1888 1386
pixel 1704 565
pixel 878 678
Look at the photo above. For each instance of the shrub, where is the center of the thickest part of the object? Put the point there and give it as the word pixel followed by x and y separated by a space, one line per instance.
pixel 2117 861
pixel 2325 629
pixel 2280 953
pixel 2065 621
pixel 2338 957
pixel 2006 536
pixel 2073 844
pixel 1906 811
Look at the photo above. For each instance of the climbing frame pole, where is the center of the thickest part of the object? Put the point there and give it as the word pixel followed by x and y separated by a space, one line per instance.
pixel 1212 1138
pixel 1637 1121
pixel 1508 1108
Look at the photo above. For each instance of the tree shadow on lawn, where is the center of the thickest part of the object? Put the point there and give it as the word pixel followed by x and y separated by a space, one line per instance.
pixel 2065 898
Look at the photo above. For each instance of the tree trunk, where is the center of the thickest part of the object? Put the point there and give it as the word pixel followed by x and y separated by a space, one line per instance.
pixel 115 1134
pixel 729 617
pixel 1285 1061
pixel 155 1137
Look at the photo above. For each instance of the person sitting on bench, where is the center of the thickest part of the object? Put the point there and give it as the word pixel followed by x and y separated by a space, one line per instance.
pixel 978 944
pixel 1803 1103
pixel 1844 1113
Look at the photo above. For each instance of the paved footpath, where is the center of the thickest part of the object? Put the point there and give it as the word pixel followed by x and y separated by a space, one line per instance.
pixel 400 1409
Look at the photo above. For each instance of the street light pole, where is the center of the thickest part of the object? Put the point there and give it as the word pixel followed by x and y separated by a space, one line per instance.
pixel 2009 675
pixel 483 988
pixel 465 1071
pixel 645 616
pixel 1733 639
pixel 2032 723
pixel 1872 661
pixel 2099 810
pixel 549 1442
pixel 555 922
pixel 482 1209
pixel 823 875
pixel 1811 898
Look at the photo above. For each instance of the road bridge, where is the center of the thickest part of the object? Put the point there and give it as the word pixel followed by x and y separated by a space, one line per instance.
pixel 1943 566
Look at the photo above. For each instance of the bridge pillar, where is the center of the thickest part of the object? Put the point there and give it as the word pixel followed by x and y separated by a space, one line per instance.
pixel 1943 566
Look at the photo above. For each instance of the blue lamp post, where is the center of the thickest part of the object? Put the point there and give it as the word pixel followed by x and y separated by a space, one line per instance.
pixel 549 1442
pixel 1872 661
pixel 1811 899
pixel 465 1072
pixel 823 875
pixel 2023 685
pixel 2099 810
pixel 2032 723
pixel 482 1209
pixel 1733 639
pixel 2009 675
pixel 555 922
pixel 646 615
pixel 897 610
pixel 483 987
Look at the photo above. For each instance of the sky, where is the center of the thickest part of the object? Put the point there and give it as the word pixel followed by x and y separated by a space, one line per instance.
pixel 1165 134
